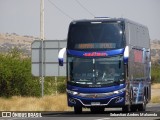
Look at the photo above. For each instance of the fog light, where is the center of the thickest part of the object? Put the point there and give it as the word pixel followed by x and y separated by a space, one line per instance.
pixel 72 101
pixel 119 99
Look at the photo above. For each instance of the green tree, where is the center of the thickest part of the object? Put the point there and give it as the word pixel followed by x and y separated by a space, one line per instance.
pixel 15 75
pixel 155 72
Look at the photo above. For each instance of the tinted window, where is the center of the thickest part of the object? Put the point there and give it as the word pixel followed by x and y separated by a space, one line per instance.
pixel 95 36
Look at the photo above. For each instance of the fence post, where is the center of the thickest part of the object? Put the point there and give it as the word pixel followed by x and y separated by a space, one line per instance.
pixel 56 84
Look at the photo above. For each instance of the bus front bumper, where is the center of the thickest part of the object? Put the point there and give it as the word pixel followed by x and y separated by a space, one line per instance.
pixel 114 99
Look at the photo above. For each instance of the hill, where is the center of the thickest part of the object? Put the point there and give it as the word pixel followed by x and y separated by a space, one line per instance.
pixel 8 41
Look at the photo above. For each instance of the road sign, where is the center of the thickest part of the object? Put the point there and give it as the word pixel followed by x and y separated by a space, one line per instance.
pixel 46 53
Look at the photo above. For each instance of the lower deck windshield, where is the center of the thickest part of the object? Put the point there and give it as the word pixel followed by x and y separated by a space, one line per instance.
pixel 95 71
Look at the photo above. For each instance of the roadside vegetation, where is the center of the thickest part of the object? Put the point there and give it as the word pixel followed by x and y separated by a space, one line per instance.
pixel 155 95
pixel 47 103
pixel 155 72
pixel 155 86
pixel 16 78
pixel 155 99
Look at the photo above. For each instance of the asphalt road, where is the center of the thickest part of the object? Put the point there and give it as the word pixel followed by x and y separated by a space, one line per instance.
pixel 109 114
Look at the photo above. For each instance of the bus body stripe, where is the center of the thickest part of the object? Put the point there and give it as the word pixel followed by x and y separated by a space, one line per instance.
pixel 95 54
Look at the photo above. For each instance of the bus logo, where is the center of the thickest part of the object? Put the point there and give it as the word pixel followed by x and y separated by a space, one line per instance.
pixel 95 54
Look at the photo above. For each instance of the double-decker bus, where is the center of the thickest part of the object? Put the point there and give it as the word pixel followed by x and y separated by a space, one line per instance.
pixel 108 65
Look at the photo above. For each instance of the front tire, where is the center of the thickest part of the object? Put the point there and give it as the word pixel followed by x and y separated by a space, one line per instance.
pixel 126 108
pixel 77 110
pixel 133 108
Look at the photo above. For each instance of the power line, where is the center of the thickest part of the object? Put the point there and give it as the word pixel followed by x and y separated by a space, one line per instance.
pixel 60 10
pixel 85 8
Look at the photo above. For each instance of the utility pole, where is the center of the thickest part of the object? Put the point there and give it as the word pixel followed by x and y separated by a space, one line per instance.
pixel 42 38
pixel 42 20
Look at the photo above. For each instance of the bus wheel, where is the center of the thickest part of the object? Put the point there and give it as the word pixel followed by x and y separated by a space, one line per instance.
pixel 142 107
pixel 133 108
pixel 97 109
pixel 77 110
pixel 126 108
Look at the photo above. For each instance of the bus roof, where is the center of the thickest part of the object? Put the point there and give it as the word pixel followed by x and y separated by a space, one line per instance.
pixel 107 19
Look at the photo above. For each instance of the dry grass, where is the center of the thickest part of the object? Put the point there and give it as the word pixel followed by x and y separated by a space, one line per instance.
pixel 47 103
pixel 155 95
pixel 156 86
pixel 155 99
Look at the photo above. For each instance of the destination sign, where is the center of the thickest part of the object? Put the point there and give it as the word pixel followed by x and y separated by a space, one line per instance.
pixel 95 45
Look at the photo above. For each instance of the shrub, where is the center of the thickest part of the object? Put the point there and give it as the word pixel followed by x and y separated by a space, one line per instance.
pixel 61 87
pixel 15 76
pixel 155 72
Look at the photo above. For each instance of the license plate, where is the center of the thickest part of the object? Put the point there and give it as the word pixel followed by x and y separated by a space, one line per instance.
pixel 95 103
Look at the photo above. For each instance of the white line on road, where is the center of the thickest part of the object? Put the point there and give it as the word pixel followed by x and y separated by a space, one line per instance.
pixel 103 119
pixel 11 118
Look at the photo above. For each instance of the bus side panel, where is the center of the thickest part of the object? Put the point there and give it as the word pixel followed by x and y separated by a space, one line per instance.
pixel 139 62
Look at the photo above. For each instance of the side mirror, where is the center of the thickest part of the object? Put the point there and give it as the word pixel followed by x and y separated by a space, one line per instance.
pixel 126 54
pixel 60 56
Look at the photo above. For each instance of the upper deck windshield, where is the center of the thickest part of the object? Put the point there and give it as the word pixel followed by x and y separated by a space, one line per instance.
pixel 95 72
pixel 95 36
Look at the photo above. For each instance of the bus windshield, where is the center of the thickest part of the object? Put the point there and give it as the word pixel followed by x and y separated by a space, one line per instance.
pixel 95 36
pixel 95 71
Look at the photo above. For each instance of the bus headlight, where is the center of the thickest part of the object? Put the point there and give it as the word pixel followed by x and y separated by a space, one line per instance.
pixel 75 93
pixel 72 92
pixel 116 92
pixel 119 91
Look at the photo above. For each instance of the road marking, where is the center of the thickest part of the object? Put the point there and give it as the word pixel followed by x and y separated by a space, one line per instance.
pixel 11 118
pixel 103 119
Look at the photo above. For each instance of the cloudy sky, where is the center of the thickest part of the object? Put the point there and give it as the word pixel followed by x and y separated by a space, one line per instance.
pixel 23 16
